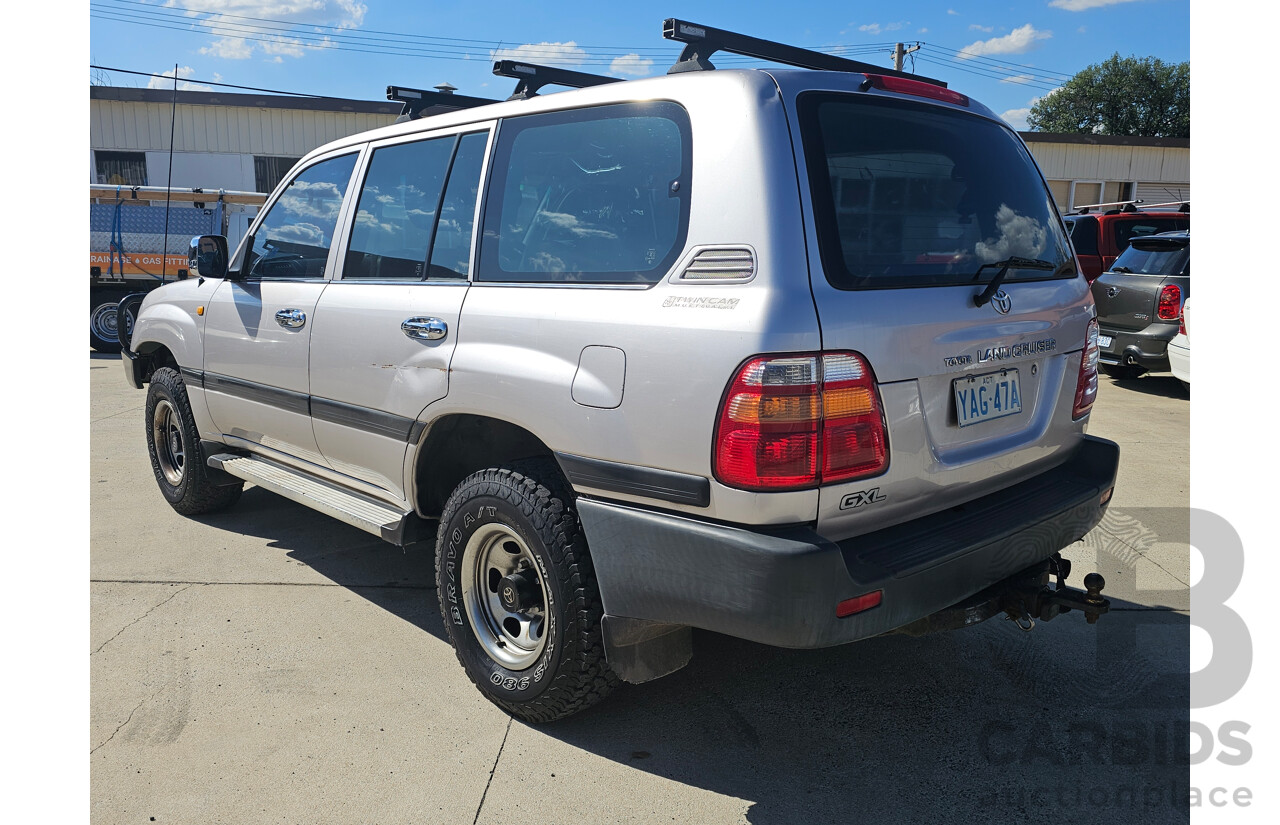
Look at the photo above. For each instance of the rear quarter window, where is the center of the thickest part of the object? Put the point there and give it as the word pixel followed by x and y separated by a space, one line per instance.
pixel 596 195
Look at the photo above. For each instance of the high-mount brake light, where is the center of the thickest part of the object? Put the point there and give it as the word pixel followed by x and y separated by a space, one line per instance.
pixel 792 422
pixel 1169 306
pixel 1087 382
pixel 906 86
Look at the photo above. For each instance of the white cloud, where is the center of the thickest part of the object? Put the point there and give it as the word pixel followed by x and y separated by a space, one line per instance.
pixel 166 81
pixel 1017 78
pixel 308 15
pixel 1018 41
pixel 561 54
pixel 953 12
pixel 285 46
pixel 229 48
pixel 876 28
pixel 1084 5
pixel 976 27
pixel 1017 118
pixel 631 64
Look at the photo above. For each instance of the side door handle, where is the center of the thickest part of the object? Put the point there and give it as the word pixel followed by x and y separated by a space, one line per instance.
pixel 424 329
pixel 291 318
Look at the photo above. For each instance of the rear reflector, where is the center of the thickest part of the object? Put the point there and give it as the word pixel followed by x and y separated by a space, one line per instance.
pixel 792 422
pixel 918 88
pixel 858 604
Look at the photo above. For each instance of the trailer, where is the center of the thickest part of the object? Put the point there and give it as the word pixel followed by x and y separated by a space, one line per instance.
pixel 138 239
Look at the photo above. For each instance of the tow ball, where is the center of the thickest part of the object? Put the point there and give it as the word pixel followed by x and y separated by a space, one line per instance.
pixel 1029 597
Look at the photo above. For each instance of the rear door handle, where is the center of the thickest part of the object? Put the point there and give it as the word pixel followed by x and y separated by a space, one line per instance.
pixel 291 318
pixel 424 329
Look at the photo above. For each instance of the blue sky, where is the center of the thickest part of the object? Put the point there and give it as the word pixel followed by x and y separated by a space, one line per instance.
pixel 1004 54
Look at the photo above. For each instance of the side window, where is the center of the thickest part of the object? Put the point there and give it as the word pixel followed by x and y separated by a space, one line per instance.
pixel 1084 235
pixel 451 250
pixel 397 210
pixel 595 195
pixel 293 239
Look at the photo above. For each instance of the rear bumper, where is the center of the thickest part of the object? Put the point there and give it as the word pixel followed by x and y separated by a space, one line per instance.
pixel 781 586
pixel 1147 348
pixel 1180 360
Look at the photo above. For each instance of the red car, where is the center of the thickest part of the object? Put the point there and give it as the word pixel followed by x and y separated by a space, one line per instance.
pixel 1099 238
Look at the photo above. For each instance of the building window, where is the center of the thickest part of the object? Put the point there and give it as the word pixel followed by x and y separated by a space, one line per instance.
pixel 269 171
pixel 121 168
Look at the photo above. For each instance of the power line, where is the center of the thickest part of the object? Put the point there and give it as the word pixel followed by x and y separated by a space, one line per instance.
pixel 205 82
pixel 307 36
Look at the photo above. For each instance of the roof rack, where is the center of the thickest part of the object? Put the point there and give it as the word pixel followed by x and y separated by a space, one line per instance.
pixel 703 41
pixel 1183 206
pixel 1127 206
pixel 533 77
pixel 420 102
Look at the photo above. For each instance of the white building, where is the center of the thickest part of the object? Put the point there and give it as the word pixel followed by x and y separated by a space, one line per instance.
pixel 1085 169
pixel 246 142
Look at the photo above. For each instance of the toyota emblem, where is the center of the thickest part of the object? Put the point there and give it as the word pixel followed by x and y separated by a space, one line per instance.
pixel 1001 302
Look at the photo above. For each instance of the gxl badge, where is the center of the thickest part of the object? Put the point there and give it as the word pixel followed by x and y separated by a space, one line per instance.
pixel 854 500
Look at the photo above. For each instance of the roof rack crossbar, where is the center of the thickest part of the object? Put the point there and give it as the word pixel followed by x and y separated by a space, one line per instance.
pixel 418 102
pixel 531 77
pixel 703 41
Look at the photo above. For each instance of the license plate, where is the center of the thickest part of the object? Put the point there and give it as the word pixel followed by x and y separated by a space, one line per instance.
pixel 1104 340
pixel 986 397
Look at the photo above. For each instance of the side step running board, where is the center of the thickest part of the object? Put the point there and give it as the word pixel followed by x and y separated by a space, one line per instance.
pixel 382 520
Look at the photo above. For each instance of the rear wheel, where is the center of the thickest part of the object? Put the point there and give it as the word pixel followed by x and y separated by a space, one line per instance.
pixel 518 593
pixel 174 446
pixel 103 322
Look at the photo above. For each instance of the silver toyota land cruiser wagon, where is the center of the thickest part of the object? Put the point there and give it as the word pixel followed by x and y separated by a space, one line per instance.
pixel 798 355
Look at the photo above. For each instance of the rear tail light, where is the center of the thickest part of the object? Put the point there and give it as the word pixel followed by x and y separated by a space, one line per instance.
pixel 1170 305
pixel 1087 382
pixel 791 422
pixel 1182 323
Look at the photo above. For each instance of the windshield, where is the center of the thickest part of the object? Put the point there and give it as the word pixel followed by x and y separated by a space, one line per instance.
pixel 909 194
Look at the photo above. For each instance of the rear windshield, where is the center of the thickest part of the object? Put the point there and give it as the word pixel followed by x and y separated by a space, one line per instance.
pixel 1153 261
pixel 1126 231
pixel 909 195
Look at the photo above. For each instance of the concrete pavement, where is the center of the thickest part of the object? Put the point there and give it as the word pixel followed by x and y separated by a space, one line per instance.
pixel 272 665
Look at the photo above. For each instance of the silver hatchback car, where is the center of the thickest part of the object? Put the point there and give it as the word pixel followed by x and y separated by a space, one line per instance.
pixel 799 355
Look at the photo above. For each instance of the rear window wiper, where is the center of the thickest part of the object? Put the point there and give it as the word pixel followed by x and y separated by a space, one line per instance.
pixel 1005 265
pixel 1122 269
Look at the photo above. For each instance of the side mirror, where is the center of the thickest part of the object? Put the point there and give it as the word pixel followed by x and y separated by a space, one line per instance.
pixel 207 256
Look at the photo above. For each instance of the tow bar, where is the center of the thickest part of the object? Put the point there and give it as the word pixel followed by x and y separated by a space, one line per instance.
pixel 1022 598
pixel 1029 596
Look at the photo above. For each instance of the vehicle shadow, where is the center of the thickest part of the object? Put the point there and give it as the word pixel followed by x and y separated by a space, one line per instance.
pixel 1162 386
pixel 969 726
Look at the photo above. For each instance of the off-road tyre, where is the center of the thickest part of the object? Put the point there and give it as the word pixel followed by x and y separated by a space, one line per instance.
pixel 174 446
pixel 530 506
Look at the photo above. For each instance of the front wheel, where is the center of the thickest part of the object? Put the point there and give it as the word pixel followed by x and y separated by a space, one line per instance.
pixel 518 593
pixel 174 446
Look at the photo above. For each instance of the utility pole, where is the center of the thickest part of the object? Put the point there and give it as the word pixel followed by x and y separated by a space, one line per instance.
pixel 899 52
